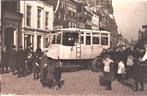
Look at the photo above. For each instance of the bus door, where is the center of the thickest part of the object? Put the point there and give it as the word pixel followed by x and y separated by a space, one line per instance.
pixel 86 48
pixel 69 41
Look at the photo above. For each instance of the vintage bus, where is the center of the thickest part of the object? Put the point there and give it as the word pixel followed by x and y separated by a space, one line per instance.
pixel 73 44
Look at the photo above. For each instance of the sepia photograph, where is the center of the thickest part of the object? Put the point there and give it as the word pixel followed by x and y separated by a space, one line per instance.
pixel 73 47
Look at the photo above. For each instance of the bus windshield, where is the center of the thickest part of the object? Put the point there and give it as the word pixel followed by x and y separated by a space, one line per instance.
pixel 70 38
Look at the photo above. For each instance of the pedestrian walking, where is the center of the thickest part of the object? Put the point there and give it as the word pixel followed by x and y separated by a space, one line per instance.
pixel 138 72
pixel 30 59
pixel 5 59
pixel 12 61
pixel 43 68
pixel 20 64
pixel 47 70
pixel 121 70
pixel 57 74
pixel 38 52
pixel 130 61
pixel 108 71
pixel 36 66
pixel 51 72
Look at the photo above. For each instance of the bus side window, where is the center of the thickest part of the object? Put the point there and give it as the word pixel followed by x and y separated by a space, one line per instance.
pixel 54 39
pixel 88 40
pixel 59 39
pixel 69 39
pixel 95 40
pixel 104 40
pixel 82 40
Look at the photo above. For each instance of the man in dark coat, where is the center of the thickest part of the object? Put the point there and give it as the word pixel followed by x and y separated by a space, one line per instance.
pixel 4 60
pixel 38 52
pixel 57 74
pixel 30 59
pixel 43 68
pixel 37 62
pixel 21 57
pixel 47 70
pixel 12 61
pixel 50 72
pixel 138 72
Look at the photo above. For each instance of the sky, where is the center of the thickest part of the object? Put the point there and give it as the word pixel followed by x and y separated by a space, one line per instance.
pixel 130 15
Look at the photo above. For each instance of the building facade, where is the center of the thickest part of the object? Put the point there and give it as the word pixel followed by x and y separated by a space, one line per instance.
pixel 142 37
pixel 37 20
pixel 66 14
pixel 107 20
pixel 75 14
pixel 11 33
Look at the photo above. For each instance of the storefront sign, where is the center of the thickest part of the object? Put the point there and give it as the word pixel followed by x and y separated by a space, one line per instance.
pixel 58 27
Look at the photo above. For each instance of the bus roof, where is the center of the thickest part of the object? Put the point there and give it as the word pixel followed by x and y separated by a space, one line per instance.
pixel 79 30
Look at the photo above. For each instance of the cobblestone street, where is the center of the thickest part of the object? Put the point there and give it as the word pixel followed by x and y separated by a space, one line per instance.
pixel 79 83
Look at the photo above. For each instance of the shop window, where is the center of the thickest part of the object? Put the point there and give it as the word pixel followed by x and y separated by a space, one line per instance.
pixel 39 18
pixel 46 20
pixel 39 41
pixel 28 18
pixel 29 41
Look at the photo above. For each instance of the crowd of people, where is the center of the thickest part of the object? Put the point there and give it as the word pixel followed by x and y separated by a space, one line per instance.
pixel 27 62
pixel 123 63
pixel 117 63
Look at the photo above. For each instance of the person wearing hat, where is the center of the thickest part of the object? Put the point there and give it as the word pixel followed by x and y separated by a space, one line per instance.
pixel 43 68
pixel 20 64
pixel 47 70
pixel 140 70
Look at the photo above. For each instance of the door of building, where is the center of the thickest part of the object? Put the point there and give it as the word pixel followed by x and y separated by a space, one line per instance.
pixel 9 39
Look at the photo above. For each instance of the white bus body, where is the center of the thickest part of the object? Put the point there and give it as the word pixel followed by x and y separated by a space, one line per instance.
pixel 73 43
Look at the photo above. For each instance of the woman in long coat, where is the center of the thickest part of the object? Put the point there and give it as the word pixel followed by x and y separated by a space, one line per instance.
pixel 50 72
pixel 47 70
